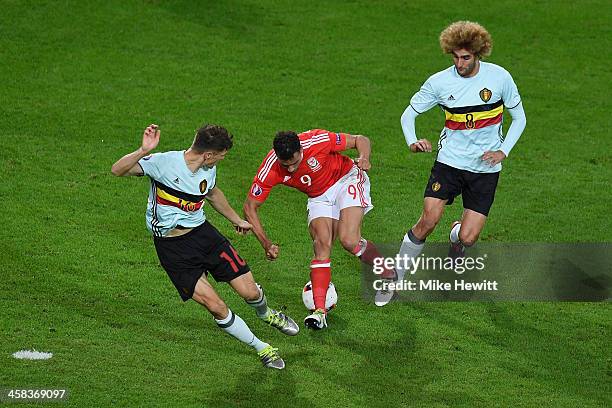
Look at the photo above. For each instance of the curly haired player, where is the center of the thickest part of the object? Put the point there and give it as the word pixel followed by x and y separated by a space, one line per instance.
pixel 472 94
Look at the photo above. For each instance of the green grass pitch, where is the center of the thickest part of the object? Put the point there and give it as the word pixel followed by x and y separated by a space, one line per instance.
pixel 79 275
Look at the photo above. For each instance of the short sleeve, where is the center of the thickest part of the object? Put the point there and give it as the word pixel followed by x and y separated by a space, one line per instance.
pixel 151 165
pixel 510 94
pixel 337 141
pixel 259 191
pixel 266 178
pixel 213 179
pixel 425 98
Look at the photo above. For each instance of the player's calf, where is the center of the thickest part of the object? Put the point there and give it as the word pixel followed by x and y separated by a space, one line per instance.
pixel 205 295
pixel 463 234
pixel 320 276
pixel 469 238
pixel 322 248
pixel 461 237
pixel 367 252
pixel 425 226
pixel 258 301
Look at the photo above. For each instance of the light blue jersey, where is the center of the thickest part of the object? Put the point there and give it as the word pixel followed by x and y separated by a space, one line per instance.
pixel 473 109
pixel 177 194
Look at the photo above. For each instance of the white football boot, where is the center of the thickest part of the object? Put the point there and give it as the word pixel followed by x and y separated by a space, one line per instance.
pixel 317 320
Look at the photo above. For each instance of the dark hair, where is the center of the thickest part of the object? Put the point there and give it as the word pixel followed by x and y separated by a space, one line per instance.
pixel 286 144
pixel 212 137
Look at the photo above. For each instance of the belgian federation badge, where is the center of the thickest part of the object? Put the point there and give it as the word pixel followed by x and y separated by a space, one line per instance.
pixel 485 94
pixel 203 186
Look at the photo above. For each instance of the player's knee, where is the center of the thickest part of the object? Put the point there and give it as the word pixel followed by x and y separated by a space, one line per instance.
pixel 468 238
pixel 252 294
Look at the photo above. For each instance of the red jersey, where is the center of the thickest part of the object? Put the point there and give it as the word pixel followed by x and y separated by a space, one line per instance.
pixel 320 168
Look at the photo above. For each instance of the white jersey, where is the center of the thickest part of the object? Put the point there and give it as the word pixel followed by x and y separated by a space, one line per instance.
pixel 473 109
pixel 177 194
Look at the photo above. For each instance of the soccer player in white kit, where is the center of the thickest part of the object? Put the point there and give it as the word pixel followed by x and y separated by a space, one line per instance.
pixel 472 94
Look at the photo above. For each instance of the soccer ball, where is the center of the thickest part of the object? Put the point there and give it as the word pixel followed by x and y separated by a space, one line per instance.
pixel 330 300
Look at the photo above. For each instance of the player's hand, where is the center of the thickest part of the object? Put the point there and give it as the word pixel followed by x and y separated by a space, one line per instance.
pixel 493 158
pixel 272 251
pixel 150 138
pixel 243 227
pixel 421 145
pixel 363 163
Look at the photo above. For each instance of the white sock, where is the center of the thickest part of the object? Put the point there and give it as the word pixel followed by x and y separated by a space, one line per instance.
pixel 236 327
pixel 260 305
pixel 411 247
pixel 454 234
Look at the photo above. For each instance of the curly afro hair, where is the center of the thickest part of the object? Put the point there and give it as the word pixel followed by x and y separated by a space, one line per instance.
pixel 468 35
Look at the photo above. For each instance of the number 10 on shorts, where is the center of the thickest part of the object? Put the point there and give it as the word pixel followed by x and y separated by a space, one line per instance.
pixel 233 260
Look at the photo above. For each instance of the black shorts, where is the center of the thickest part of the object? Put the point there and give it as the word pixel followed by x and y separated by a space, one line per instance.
pixel 477 189
pixel 185 258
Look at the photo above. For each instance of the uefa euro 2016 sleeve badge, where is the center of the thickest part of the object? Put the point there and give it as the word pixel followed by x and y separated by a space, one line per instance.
pixel 256 190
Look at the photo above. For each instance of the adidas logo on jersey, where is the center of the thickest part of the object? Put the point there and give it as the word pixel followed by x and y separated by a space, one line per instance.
pixel 286 179
pixel 176 180
pixel 451 98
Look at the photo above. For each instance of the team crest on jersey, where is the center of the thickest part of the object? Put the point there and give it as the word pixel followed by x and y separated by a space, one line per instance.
pixel 313 163
pixel 436 186
pixel 485 94
pixel 256 190
pixel 203 186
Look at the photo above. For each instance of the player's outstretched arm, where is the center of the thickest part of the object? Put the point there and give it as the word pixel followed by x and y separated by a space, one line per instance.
pixel 219 202
pixel 362 144
pixel 250 213
pixel 128 164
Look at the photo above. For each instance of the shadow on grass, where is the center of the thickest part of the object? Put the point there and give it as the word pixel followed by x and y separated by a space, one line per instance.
pixel 553 358
pixel 380 373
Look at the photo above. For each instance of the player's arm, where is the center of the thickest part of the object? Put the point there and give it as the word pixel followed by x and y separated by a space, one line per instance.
pixel 512 100
pixel 250 208
pixel 416 145
pixel 219 202
pixel 519 121
pixel 422 101
pixel 362 144
pixel 128 164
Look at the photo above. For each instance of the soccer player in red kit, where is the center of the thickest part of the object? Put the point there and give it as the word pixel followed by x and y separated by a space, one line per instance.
pixel 338 190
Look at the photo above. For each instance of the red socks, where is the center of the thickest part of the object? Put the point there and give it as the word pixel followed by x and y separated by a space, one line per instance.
pixel 320 276
pixel 367 252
